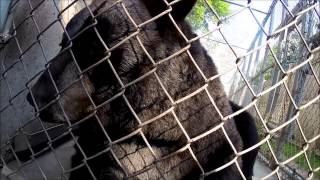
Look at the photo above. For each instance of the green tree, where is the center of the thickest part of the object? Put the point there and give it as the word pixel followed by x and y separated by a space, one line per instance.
pixel 201 12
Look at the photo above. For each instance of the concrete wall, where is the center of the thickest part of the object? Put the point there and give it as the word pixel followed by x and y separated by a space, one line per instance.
pixel 22 58
pixel 19 70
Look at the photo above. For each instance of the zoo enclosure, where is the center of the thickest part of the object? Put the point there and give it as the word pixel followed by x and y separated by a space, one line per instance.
pixel 275 83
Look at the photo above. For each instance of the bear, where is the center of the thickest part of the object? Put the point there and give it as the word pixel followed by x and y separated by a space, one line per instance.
pixel 135 81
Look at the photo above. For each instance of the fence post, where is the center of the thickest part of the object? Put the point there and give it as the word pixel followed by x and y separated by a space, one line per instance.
pixel 265 58
pixel 272 99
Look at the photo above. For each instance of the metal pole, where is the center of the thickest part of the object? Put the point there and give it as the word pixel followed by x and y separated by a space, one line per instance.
pixel 5 21
pixel 275 77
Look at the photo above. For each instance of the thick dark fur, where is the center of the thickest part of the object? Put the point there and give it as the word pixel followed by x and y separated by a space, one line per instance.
pixel 248 131
pixel 245 124
pixel 114 119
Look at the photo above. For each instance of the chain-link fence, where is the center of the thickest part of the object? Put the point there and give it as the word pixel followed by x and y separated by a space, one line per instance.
pixel 130 93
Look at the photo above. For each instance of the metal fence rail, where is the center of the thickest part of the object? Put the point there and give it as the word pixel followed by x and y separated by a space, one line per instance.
pixel 283 104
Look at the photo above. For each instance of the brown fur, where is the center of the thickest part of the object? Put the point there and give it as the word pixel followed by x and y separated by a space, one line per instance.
pixel 178 75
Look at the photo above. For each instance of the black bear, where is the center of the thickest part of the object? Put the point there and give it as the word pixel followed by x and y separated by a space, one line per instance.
pixel 142 90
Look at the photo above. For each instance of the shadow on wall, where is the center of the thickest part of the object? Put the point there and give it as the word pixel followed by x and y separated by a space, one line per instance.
pixel 22 58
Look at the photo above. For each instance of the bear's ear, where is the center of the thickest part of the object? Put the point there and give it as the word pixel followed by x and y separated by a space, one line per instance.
pixel 182 9
pixel 79 20
pixel 74 25
pixel 179 10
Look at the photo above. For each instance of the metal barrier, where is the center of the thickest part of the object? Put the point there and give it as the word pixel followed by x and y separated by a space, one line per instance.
pixel 285 65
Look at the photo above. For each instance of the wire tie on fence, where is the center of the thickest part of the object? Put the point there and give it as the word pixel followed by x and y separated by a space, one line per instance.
pixel 305 146
pixel 46 66
pixel 37 114
pixel 238 60
pixel 50 144
pixel 268 135
pixel 310 174
pixel 107 54
pixel 68 45
pixel 8 142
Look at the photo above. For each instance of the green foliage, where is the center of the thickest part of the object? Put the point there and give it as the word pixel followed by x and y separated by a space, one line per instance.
pixel 267 75
pixel 201 11
pixel 290 149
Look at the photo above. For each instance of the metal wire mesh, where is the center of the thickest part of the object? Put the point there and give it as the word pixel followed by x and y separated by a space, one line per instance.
pixel 274 122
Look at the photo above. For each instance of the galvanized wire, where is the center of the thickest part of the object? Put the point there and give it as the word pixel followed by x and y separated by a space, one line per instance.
pixel 269 133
